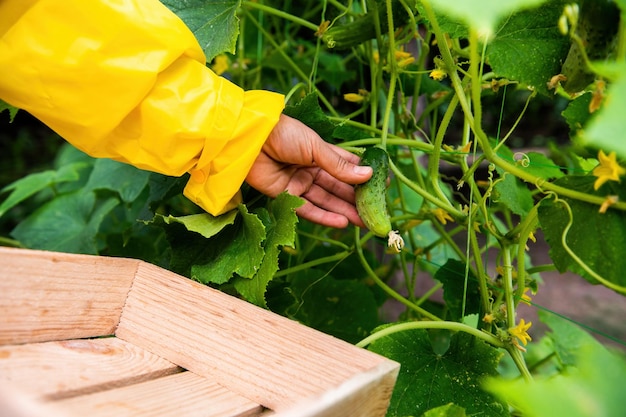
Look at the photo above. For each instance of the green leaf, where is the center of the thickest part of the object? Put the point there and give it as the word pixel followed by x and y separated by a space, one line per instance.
pixel 345 309
pixel 528 46
pixel 33 183
pixel 534 163
pixel 568 339
pixel 280 222
pixel 309 112
pixel 124 179
pixel 448 410
pixel 428 380
pixel 514 194
pixel 242 255
pixel 192 250
pixel 203 223
pixel 454 26
pixel 482 15
pixel 577 114
pixel 213 22
pixel 594 388
pixel 597 239
pixel 12 110
pixel 606 130
pixel 68 223
pixel 452 276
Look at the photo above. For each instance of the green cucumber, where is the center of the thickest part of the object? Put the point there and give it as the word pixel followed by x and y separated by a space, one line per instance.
pixel 363 28
pixel 598 25
pixel 370 197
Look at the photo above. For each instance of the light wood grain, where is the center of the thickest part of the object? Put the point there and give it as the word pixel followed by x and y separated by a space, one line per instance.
pixel 63 369
pixel 181 395
pixel 54 296
pixel 270 359
pixel 364 395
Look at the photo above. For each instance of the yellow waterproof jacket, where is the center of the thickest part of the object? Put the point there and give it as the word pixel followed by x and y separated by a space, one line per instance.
pixel 127 80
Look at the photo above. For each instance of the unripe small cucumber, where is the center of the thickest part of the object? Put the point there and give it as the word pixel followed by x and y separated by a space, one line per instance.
pixel 598 26
pixel 370 197
pixel 363 28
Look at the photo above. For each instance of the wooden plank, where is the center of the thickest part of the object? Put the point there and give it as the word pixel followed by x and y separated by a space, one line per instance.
pixel 270 359
pixel 55 296
pixel 63 369
pixel 364 395
pixel 185 394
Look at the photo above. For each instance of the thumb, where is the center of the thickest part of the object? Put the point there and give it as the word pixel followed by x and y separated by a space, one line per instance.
pixel 340 163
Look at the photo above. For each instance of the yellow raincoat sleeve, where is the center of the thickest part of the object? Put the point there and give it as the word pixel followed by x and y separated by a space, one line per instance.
pixel 127 80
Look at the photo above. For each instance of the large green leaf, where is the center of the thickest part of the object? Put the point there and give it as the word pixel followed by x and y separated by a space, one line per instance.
pixel 482 15
pixel 68 223
pixel 124 179
pixel 594 388
pixel 567 338
pixel 428 380
pixel 191 249
pixel 598 239
pixel 213 22
pixel 33 183
pixel 280 223
pixel 345 309
pixel 528 46
pixel 242 255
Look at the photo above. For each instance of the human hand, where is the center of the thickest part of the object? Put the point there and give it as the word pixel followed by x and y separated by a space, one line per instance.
pixel 295 159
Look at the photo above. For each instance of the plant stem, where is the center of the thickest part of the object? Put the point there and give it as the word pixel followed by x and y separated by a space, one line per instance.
pixel 281 14
pixel 519 361
pixel 390 291
pixel 340 256
pixel 528 226
pixel 447 325
pixel 427 196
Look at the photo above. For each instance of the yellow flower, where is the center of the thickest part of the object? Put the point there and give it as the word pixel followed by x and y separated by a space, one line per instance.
pixel 406 61
pixel 607 170
pixel 489 318
pixel 438 74
pixel 220 64
pixel 525 297
pixel 442 216
pixel 521 331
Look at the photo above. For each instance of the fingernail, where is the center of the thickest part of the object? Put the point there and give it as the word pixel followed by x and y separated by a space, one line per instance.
pixel 362 170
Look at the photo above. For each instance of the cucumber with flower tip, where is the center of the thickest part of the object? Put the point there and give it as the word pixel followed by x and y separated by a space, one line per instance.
pixel 598 26
pixel 370 197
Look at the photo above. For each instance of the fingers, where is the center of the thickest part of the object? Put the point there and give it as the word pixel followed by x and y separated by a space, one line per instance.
pixel 340 163
pixel 333 204
pixel 315 214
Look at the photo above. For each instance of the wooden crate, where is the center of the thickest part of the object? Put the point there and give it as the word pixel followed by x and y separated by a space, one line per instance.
pixel 86 335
